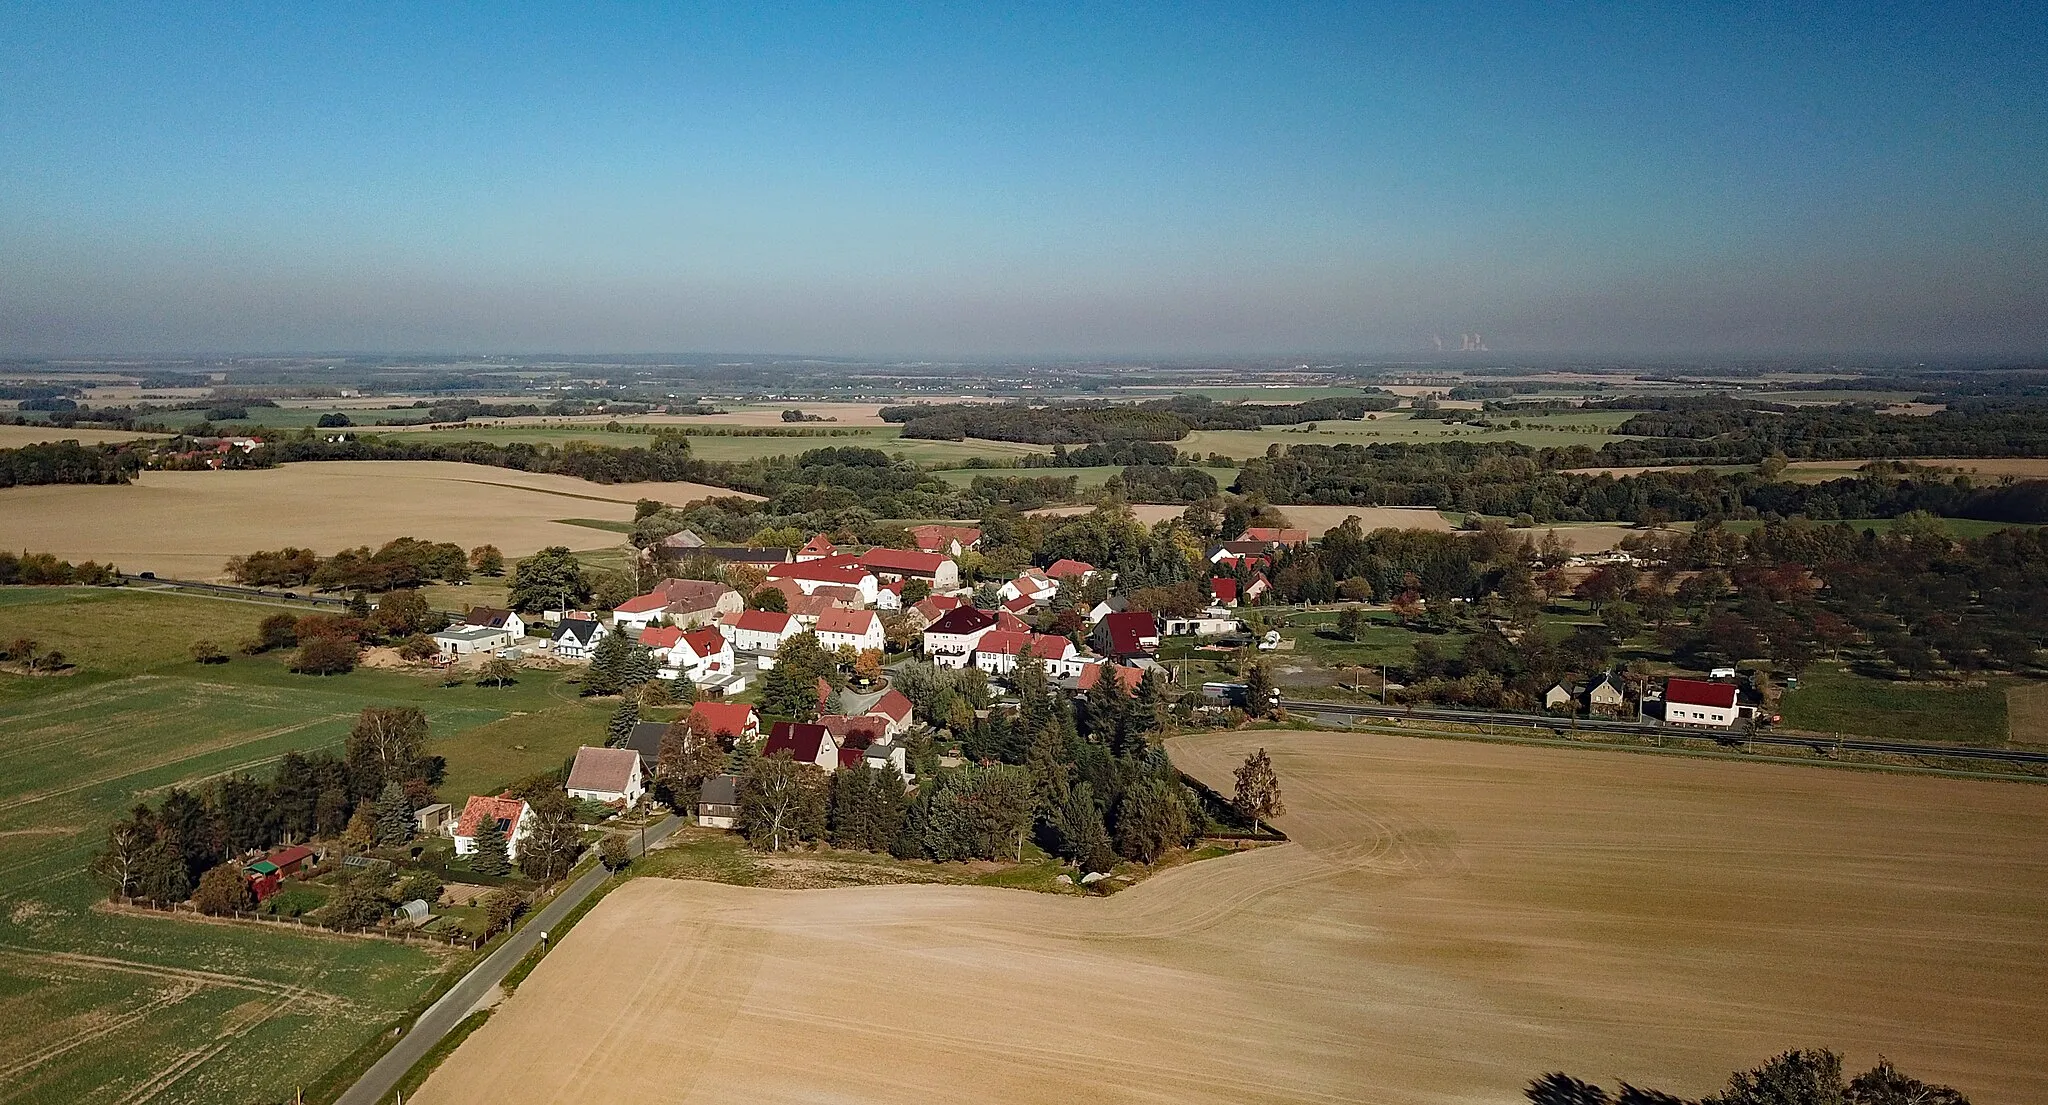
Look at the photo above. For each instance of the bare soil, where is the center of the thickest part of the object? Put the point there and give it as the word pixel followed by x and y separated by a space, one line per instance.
pixel 186 524
pixel 1450 920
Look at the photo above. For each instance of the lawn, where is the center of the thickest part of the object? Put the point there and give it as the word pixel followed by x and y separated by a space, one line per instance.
pixel 1832 699
pixel 104 1007
pixel 1397 427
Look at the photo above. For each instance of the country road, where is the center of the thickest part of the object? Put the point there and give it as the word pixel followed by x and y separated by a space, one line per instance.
pixel 442 1017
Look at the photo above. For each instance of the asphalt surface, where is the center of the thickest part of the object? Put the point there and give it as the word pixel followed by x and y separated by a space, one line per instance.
pixel 1658 728
pixel 441 1018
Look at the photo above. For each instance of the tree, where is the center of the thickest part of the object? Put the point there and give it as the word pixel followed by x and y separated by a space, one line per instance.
pixel 867 666
pixel 395 823
pixel 325 656
pixel 867 809
pixel 1258 789
pixel 498 672
pixel 486 560
pixel 275 632
pixel 385 744
pixel 206 652
pixel 1083 840
pixel 1558 1088
pixel 656 693
pixel 550 578
pixel 612 853
pixel 608 589
pixel 1350 623
pixel 685 760
pixel 1406 606
pixel 770 599
pixel 609 663
pixel 1151 820
pixel 555 841
pixel 490 857
pixel 1258 690
pixel 1793 1078
pixel 419 648
pixel 1884 1085
pixel 402 613
pixel 223 890
pixel 501 908
pixel 619 732
pixel 120 863
pixel 790 689
pixel 782 802
pixel 916 591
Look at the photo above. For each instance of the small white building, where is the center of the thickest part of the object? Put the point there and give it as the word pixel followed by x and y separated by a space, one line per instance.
pixel 468 640
pixel 491 617
pixel 1691 702
pixel 608 775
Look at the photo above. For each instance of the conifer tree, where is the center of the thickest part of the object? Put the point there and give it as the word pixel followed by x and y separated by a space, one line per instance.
pixel 620 729
pixel 491 856
pixel 394 815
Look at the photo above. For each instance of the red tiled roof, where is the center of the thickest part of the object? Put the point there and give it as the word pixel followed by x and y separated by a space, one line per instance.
pixel 935 607
pixel 504 807
pixel 1694 692
pixel 831 569
pixel 824 691
pixel 962 620
pixel 1065 569
pixel 851 757
pixel 1127 631
pixel 802 741
pixel 854 623
pixel 722 719
pixel 1020 604
pixel 893 705
pixel 691 594
pixel 1011 622
pixel 643 604
pixel 705 642
pixel 813 606
pixel 1224 588
pixel 761 621
pixel 941 538
pixel 1275 536
pixel 858 732
pixel 660 636
pixel 818 545
pixel 1004 642
pixel 903 562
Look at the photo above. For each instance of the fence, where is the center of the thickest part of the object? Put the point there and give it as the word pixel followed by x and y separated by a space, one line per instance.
pixel 301 924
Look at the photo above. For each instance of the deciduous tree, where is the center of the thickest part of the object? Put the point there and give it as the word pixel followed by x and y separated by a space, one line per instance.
pixel 1258 789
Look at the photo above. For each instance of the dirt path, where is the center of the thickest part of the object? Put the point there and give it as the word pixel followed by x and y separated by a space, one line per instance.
pixel 1450 920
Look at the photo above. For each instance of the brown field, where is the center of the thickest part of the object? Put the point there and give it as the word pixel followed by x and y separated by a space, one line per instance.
pixel 1584 539
pixel 1450 920
pixel 14 437
pixel 2026 713
pixel 1317 520
pixel 186 524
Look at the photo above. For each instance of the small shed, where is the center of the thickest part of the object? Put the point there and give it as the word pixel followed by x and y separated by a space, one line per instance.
pixel 263 879
pixel 414 913
pixel 435 818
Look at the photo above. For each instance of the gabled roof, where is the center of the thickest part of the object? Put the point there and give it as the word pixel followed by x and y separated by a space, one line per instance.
pixel 903 562
pixel 933 608
pixel 581 630
pixel 813 606
pixel 762 621
pixel 1006 642
pixel 285 857
pixel 1128 629
pixel 504 807
pixel 818 545
pixel 857 731
pixel 682 539
pixel 736 555
pixel 1694 692
pixel 941 538
pixel 1223 589
pixel 1013 623
pixel 642 604
pixel 854 623
pixel 658 637
pixel 722 719
pixel 801 740
pixel 705 641
pixel 719 790
pixel 1241 550
pixel 691 594
pixel 646 741
pixel 1069 569
pixel 1020 604
pixel 962 620
pixel 831 569
pixel 1091 674
pixel 490 616
pixel 894 705
pixel 608 770
pixel 1273 536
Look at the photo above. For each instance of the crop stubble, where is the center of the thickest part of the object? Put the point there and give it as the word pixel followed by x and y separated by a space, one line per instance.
pixel 1450 920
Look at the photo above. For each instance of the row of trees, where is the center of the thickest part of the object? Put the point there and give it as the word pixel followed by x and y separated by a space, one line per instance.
pixel 68 462
pixel 45 570
pixel 403 562
pixel 1792 1078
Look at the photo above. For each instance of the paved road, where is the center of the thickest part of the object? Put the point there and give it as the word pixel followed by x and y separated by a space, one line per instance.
pixel 1657 728
pixel 442 1017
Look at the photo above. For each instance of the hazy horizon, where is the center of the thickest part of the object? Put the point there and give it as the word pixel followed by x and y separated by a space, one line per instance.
pixel 1162 182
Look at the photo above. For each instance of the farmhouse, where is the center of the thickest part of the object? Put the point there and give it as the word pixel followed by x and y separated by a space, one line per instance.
pixel 1692 702
pixel 1032 586
pixel 758 630
pixel 895 710
pixel 817 548
pixel 949 641
pixel 683 602
pixel 837 571
pixel 510 814
pixel 577 638
pixel 860 630
pixel 608 775
pixel 724 720
pixel 705 656
pixel 949 540
pixel 805 743
pixel 1605 697
pixel 470 640
pixel 490 617
pixel 718 802
pixel 898 564
pixel 1130 634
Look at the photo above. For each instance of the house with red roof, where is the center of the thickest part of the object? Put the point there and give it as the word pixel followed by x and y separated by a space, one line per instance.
pixel 1092 672
pixel 683 602
pixel 1224 591
pixel 949 540
pixel 860 630
pixel 1031 584
pixel 511 815
pixel 949 642
pixel 1275 538
pixel 1127 635
pixel 1697 702
pixel 1000 651
pixel 659 639
pixel 1011 622
pixel 804 742
pixel 1067 569
pixel 724 720
pixel 903 564
pixel 758 630
pixel 855 731
pixel 705 656
pixel 836 571
pixel 928 610
pixel 817 548
pixel 894 709
pixel 889 596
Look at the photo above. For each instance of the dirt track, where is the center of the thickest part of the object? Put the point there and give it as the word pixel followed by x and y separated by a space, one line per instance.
pixel 1451 919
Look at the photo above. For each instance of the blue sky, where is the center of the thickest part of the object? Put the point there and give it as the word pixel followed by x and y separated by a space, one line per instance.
pixel 1149 180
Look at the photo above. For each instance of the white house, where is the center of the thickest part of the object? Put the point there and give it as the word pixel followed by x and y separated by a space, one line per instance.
pixel 861 629
pixel 1032 584
pixel 901 564
pixel 702 654
pixel 759 630
pixel 831 571
pixel 608 775
pixel 999 651
pixel 1692 702
pixel 683 602
pixel 577 638
pixel 459 641
pixel 491 617
pixel 1213 622
pixel 511 815
pixel 949 642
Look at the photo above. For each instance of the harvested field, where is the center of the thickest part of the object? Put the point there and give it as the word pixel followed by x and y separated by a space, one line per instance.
pixel 2026 711
pixel 1584 539
pixel 1317 520
pixel 14 437
pixel 186 524
pixel 1450 920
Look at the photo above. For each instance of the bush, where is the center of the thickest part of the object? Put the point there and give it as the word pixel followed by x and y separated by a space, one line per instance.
pixel 325 656
pixel 222 890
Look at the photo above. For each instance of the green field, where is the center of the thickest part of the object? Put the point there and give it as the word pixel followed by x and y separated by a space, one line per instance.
pixel 1833 699
pixel 104 1007
pixel 1396 427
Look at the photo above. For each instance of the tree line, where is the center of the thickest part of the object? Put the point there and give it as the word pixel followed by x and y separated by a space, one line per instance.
pixel 400 563
pixel 67 462
pixel 1103 422
pixel 1795 1077
pixel 45 570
